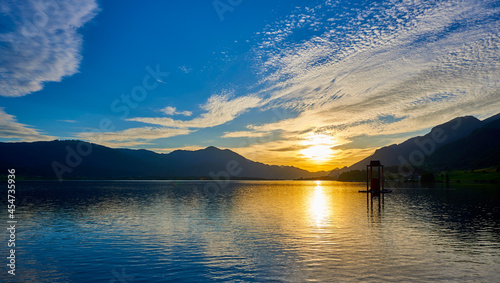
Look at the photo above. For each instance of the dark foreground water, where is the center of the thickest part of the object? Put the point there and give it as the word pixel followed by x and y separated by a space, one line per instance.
pixel 161 231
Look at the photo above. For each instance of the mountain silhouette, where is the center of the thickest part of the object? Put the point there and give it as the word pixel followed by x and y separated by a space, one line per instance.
pixel 480 149
pixel 462 143
pixel 73 159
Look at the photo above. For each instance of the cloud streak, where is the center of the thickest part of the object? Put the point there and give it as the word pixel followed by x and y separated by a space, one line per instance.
pixel 220 109
pixel 169 110
pixel 131 137
pixel 244 134
pixel 12 130
pixel 41 43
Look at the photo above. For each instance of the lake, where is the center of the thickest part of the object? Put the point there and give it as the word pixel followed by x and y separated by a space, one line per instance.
pixel 252 231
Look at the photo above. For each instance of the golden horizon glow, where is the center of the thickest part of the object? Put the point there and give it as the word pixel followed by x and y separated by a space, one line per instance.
pixel 336 158
pixel 319 147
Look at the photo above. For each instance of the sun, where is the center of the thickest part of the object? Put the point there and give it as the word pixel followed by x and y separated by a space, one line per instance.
pixel 319 147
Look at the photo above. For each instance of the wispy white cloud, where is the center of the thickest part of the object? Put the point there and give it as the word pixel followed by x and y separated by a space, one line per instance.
pixel 41 43
pixel 169 110
pixel 131 137
pixel 12 130
pixel 220 109
pixel 244 134
pixel 68 121
pixel 185 69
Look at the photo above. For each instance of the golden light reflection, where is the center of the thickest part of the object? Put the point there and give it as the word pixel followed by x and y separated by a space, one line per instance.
pixel 318 206
pixel 319 147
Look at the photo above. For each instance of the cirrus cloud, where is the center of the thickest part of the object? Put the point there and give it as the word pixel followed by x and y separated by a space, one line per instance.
pixel 132 136
pixel 12 130
pixel 41 43
pixel 169 110
pixel 220 109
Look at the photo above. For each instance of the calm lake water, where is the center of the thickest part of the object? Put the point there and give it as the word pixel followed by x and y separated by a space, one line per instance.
pixel 258 231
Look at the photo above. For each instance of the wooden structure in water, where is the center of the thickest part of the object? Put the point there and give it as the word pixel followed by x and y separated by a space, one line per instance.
pixel 375 178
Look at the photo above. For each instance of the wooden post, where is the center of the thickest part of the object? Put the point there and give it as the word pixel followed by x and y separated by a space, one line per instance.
pixel 382 179
pixel 367 178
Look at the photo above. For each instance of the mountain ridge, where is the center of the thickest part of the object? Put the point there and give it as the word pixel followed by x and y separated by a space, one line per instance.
pixel 440 148
pixel 69 159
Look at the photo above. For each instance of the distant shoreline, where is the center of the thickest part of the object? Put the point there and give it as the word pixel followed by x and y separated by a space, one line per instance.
pixel 453 182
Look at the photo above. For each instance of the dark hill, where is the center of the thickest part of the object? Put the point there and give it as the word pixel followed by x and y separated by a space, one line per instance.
pixel 439 136
pixel 82 160
pixel 462 143
pixel 480 149
pixel 36 159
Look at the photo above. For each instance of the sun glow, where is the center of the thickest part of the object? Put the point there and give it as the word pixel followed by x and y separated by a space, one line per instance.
pixel 319 147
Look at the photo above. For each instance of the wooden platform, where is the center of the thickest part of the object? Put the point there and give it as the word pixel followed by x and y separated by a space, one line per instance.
pixel 374 192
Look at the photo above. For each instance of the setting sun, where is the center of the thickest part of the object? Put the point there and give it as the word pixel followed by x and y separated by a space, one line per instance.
pixel 319 147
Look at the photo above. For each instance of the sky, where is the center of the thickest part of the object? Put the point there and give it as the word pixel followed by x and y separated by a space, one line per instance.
pixel 312 84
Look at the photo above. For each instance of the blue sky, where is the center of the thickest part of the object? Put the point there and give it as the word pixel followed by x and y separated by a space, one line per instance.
pixel 315 84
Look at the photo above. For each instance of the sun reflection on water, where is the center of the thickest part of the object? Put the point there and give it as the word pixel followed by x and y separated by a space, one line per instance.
pixel 318 206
